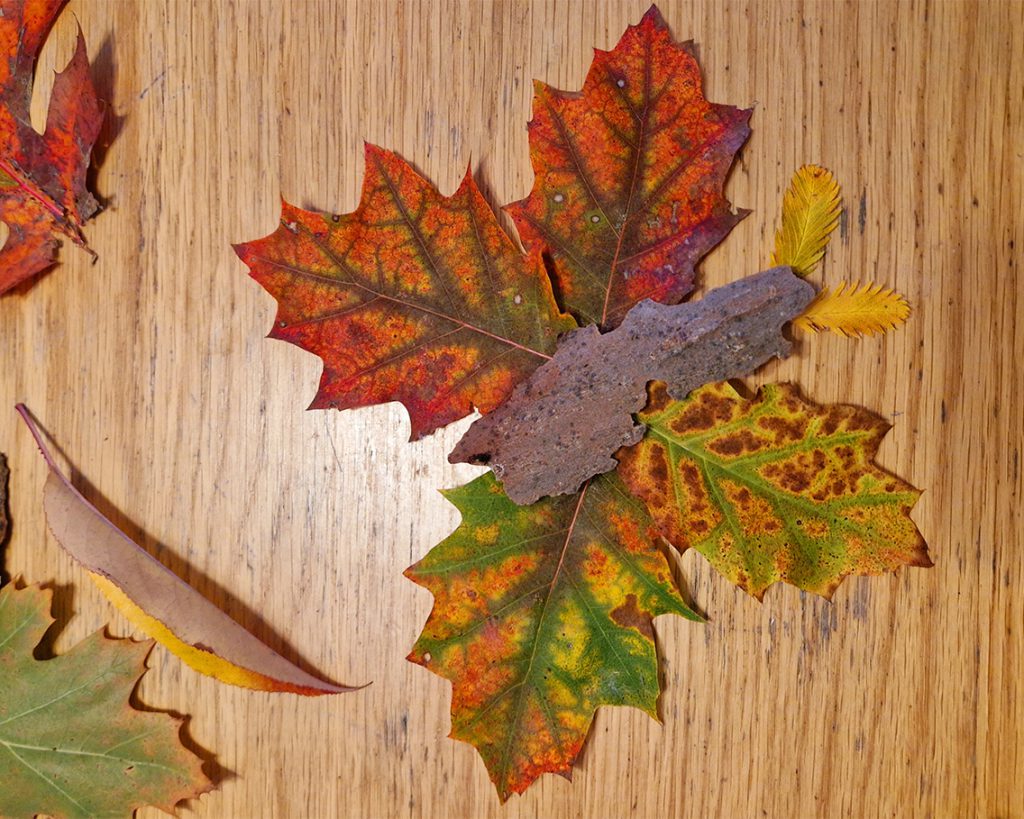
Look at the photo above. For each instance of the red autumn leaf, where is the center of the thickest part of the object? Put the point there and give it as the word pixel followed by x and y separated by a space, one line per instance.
pixel 629 175
pixel 413 297
pixel 42 176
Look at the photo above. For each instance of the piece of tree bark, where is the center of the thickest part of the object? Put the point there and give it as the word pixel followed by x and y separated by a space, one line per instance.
pixel 563 424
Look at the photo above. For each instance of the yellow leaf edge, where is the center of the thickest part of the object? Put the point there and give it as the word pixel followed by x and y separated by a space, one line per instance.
pixel 205 662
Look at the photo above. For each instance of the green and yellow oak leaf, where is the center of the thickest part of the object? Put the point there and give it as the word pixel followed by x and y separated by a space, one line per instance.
pixel 629 176
pixel 413 297
pixel 541 614
pixel 776 488
pixel 71 745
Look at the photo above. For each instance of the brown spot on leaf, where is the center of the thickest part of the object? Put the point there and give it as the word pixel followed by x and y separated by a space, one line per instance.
pixel 784 430
pixel 736 443
pixel 630 616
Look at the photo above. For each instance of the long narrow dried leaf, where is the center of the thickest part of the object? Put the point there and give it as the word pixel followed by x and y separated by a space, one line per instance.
pixel 42 176
pixel 564 423
pixel 541 614
pixel 160 603
pixel 773 489
pixel 628 194
pixel 857 310
pixel 413 297
pixel 71 745
pixel 811 208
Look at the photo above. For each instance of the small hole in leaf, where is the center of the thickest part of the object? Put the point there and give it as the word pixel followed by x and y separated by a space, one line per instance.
pixel 426 657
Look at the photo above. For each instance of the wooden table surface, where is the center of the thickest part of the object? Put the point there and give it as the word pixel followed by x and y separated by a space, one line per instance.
pixel 902 697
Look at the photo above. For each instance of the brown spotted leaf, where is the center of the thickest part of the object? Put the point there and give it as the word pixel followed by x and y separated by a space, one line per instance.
pixel 565 422
pixel 629 176
pixel 773 489
pixel 42 176
pixel 413 297
pixel 541 614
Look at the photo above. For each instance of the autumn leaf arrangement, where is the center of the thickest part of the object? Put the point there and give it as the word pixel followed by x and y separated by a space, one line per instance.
pixel 608 421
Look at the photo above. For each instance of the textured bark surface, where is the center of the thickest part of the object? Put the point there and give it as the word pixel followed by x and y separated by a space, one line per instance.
pixel 565 422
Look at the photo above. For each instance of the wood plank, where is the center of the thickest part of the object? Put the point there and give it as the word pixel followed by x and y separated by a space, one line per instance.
pixel 901 697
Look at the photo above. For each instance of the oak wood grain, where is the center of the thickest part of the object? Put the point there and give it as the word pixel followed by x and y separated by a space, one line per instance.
pixel 902 697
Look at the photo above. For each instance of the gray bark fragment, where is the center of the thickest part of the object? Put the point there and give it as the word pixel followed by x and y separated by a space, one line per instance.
pixel 563 424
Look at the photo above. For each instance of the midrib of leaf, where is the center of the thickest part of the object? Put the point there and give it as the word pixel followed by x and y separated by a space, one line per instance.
pixel 51 749
pixel 385 296
pixel 49 782
pixel 638 153
pixel 48 703
pixel 506 755
pixel 772 493
pixel 805 246
pixel 485 260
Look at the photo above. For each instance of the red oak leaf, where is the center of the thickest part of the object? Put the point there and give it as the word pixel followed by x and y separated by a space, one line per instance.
pixel 42 176
pixel 629 176
pixel 413 297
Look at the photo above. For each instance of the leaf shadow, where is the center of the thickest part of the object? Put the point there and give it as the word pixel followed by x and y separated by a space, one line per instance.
pixel 212 768
pixel 5 519
pixel 238 611
pixel 62 609
pixel 103 70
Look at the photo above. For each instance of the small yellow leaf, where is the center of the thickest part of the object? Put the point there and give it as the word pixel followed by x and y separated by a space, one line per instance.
pixel 810 212
pixel 861 309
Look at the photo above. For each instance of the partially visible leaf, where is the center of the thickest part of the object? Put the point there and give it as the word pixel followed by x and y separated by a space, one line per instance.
pixel 158 602
pixel 541 614
pixel 4 473
pixel 564 423
pixel 70 743
pixel 811 209
pixel 861 309
pixel 42 177
pixel 628 194
pixel 413 297
pixel 773 489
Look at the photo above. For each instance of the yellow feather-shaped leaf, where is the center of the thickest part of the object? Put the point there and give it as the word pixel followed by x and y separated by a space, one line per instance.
pixel 810 212
pixel 861 309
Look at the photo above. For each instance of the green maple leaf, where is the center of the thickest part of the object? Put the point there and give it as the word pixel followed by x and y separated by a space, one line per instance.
pixel 541 614
pixel 70 743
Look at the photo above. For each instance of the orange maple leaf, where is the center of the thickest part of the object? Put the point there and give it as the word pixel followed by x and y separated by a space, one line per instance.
pixel 413 297
pixel 629 176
